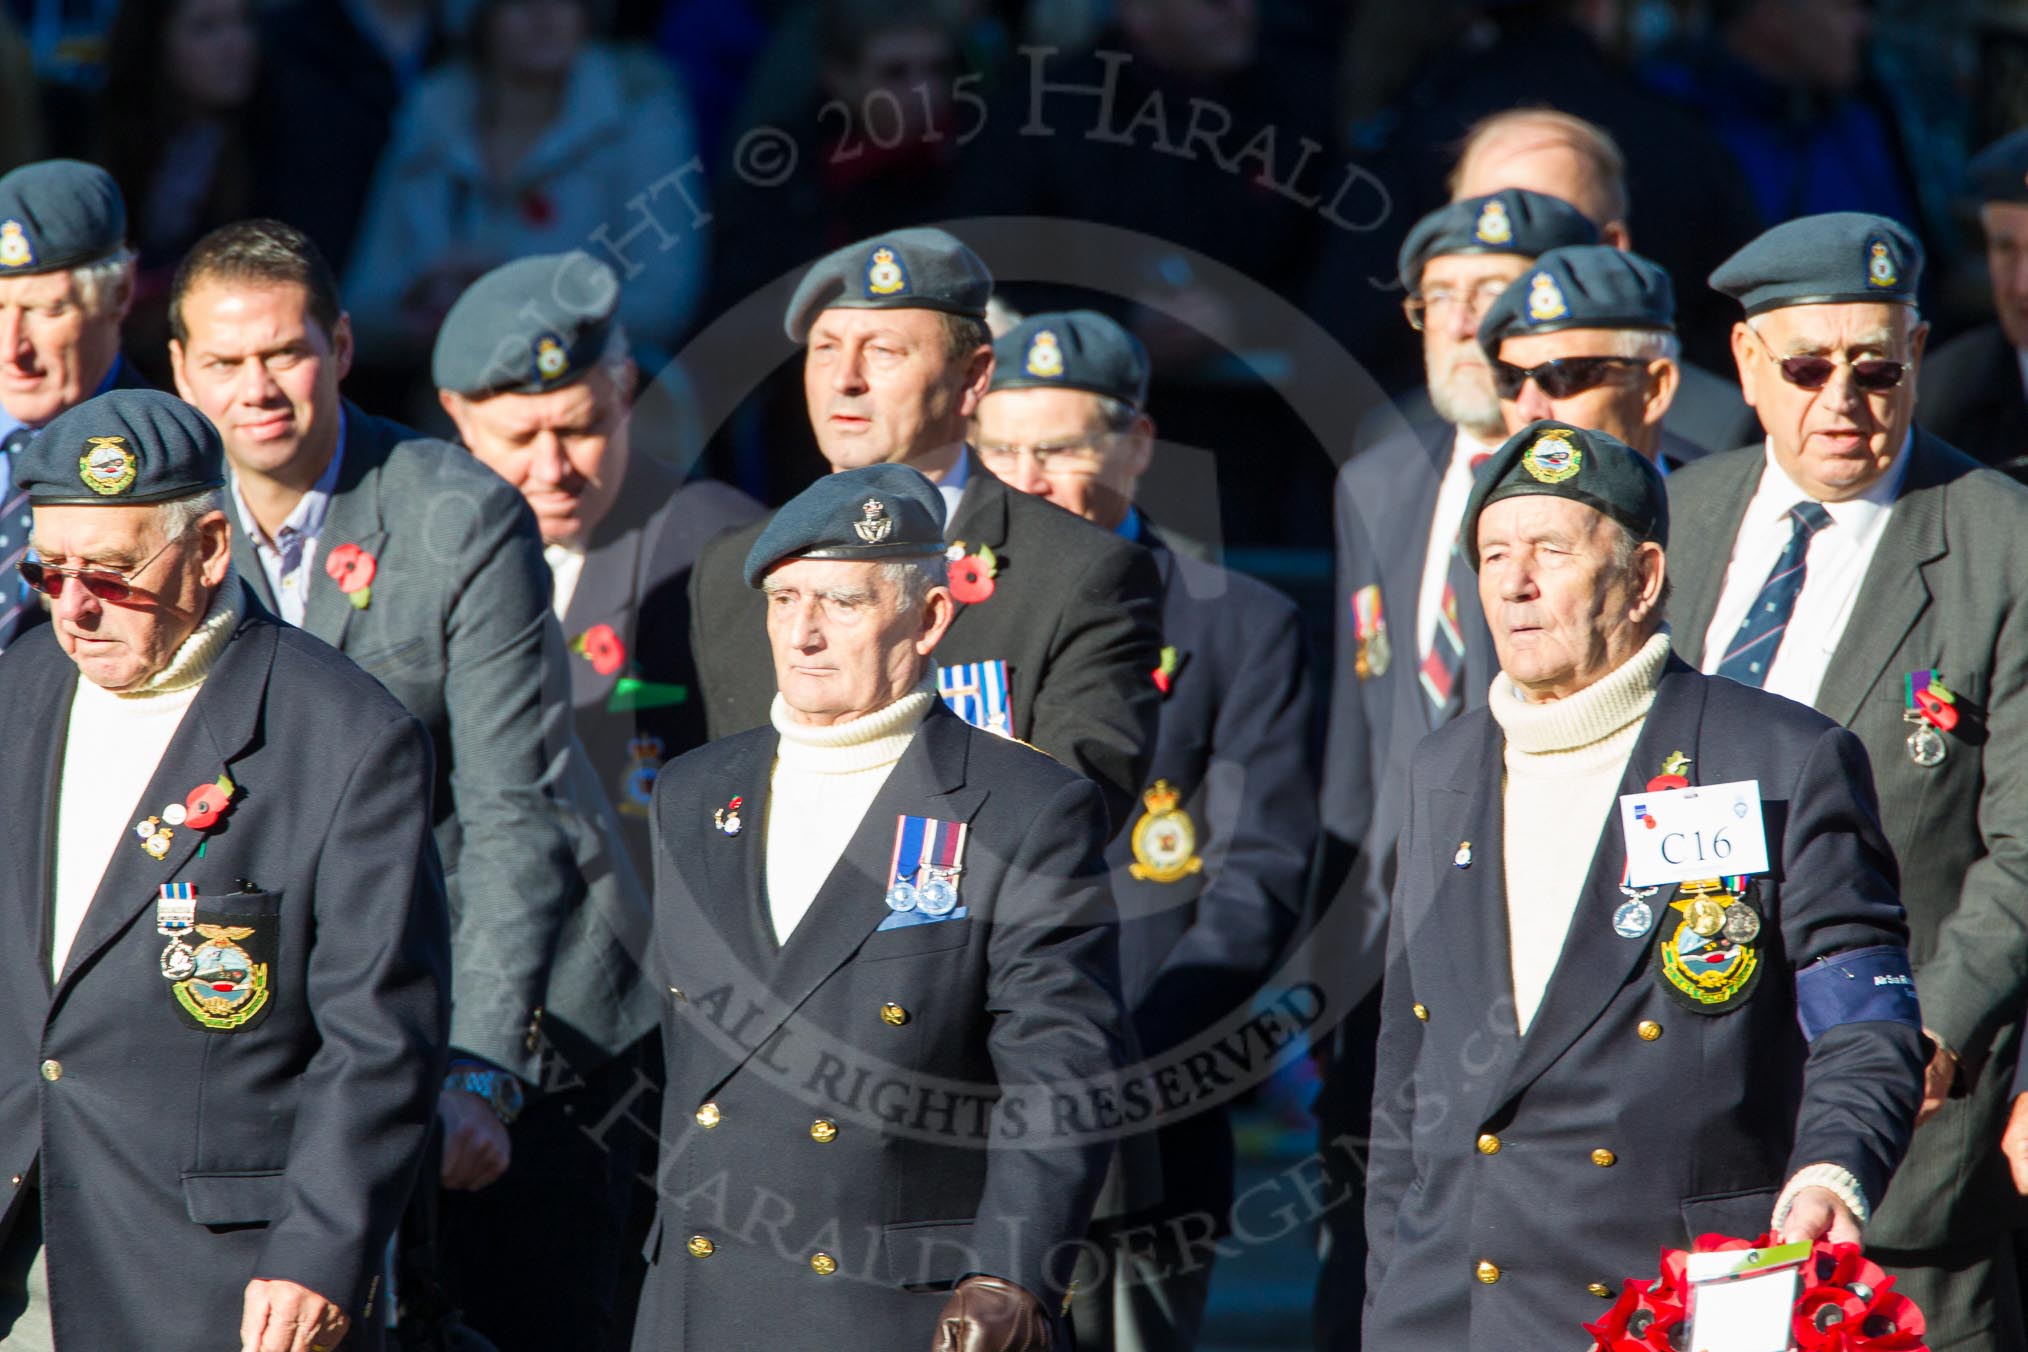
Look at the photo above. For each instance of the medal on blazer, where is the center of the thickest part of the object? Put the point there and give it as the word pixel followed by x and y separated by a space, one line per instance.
pixel 726 818
pixel 175 913
pixel 978 693
pixel 1710 963
pixel 200 810
pixel 928 861
pixel 1373 651
pixel 1634 916
pixel 1933 709
pixel 1165 839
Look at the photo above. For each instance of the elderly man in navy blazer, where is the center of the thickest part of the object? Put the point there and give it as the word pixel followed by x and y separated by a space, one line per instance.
pixel 1580 1061
pixel 225 1017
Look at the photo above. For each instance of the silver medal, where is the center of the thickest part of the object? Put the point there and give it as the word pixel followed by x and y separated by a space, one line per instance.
pixel 1925 747
pixel 937 897
pixel 902 896
pixel 1742 926
pixel 179 960
pixel 1633 919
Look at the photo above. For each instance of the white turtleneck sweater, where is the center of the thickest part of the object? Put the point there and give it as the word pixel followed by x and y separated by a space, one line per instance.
pixel 824 781
pixel 1571 752
pixel 111 747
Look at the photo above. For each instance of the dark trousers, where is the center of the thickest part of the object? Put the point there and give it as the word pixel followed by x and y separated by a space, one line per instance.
pixel 547 1257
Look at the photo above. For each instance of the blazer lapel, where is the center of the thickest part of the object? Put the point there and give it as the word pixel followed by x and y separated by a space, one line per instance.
pixel 1470 923
pixel 1596 963
pixel 221 723
pixel 353 518
pixel 606 589
pixel 929 781
pixel 1894 593
pixel 1698 560
pixel 40 722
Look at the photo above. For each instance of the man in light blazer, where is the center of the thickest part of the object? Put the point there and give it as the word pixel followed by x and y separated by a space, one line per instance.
pixel 1862 566
pixel 425 568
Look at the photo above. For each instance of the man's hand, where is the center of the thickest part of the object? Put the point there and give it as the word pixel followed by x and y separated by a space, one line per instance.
pixel 2014 1143
pixel 476 1148
pixel 284 1317
pixel 1816 1213
pixel 988 1314
pixel 1937 1080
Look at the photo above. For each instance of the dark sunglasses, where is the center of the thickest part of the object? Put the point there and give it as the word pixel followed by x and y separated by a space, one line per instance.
pixel 1870 374
pixel 1559 379
pixel 106 586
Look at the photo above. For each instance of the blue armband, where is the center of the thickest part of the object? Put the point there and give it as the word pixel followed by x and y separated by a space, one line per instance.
pixel 1861 985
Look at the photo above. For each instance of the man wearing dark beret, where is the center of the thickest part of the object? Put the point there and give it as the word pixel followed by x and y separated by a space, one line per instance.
pixel 1588 336
pixel 1209 877
pixel 226 1019
pixel 1055 632
pixel 1973 387
pixel 1411 646
pixel 1858 564
pixel 1586 1055
pixel 892 983
pixel 426 568
pixel 66 283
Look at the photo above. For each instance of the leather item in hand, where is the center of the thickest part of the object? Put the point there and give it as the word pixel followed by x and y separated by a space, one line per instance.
pixel 986 1314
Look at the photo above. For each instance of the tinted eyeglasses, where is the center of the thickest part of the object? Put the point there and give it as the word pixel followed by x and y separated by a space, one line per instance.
pixel 1873 375
pixel 116 588
pixel 1561 378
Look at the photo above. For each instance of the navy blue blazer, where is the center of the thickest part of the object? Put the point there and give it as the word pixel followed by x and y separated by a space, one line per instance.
pixel 1625 1120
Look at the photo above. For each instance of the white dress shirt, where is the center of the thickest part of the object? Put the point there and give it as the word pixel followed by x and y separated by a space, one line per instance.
pixel 1443 534
pixel 1836 564
pixel 952 485
pixel 287 559
pixel 566 565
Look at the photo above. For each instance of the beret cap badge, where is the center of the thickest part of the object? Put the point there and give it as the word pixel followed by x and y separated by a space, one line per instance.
pixel 1045 356
pixel 1552 457
pixel 14 250
pixel 1493 226
pixel 1880 265
pixel 107 466
pixel 875 524
pixel 884 274
pixel 1545 299
pixel 551 360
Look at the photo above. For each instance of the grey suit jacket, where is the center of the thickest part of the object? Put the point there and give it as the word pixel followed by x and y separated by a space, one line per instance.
pixel 1946 592
pixel 548 915
pixel 178 1161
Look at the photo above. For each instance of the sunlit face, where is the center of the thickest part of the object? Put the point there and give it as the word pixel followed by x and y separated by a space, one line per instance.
pixel 1561 613
pixel 1055 444
pixel 1628 403
pixel 1457 290
pixel 53 353
pixel 2007 264
pixel 566 449
pixel 1837 441
pixel 883 388
pixel 264 371
pixel 843 646
pixel 119 646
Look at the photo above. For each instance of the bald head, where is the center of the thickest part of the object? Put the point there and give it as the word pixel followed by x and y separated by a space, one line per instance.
pixel 1549 152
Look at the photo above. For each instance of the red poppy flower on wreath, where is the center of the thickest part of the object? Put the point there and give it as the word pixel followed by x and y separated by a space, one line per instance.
pixel 352 568
pixel 972 575
pixel 602 647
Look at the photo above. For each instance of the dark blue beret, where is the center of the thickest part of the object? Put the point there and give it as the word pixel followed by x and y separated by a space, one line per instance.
pixel 1999 173
pixel 125 446
pixel 1838 258
pixel 58 214
pixel 871 513
pixel 1561 460
pixel 921 268
pixel 527 327
pixel 1072 350
pixel 1585 286
pixel 1510 221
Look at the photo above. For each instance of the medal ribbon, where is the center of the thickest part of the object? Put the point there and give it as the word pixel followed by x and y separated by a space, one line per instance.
pixel 924 841
pixel 1928 699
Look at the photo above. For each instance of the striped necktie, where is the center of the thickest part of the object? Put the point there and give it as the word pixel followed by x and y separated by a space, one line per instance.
pixel 15 523
pixel 1760 633
pixel 1444 663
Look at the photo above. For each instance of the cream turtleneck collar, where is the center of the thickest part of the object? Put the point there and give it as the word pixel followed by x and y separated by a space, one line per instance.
pixel 193 659
pixel 870 740
pixel 1590 716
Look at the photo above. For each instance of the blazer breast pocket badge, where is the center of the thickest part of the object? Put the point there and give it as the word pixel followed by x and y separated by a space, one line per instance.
pixel 929 860
pixel 977 692
pixel 1711 961
pixel 223 983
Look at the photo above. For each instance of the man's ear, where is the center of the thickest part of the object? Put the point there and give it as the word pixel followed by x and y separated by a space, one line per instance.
pixel 978 376
pixel 214 545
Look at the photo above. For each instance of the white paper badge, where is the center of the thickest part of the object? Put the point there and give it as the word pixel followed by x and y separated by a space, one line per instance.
pixel 1743 1300
pixel 1704 832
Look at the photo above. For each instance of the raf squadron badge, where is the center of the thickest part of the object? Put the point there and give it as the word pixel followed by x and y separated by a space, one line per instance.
pixel 14 250
pixel 884 274
pixel 1165 839
pixel 1045 356
pixel 1493 226
pixel 1933 710
pixel 222 985
pixel 637 781
pixel 551 359
pixel 1369 629
pixel 107 466
pixel 1545 299
pixel 1711 962
pixel 1552 457
pixel 929 858
pixel 1880 266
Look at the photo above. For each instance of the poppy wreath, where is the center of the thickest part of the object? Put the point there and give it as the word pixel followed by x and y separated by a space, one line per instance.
pixel 1845 1304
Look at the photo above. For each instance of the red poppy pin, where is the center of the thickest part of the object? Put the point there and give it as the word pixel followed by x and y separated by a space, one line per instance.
pixel 201 809
pixel 602 646
pixel 352 568
pixel 972 574
pixel 1672 776
pixel 1165 675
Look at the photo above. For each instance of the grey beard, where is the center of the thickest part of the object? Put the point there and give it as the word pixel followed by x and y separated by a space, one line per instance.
pixel 1472 407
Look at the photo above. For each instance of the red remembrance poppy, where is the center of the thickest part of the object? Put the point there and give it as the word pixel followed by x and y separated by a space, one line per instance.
pixel 970 582
pixel 351 567
pixel 204 805
pixel 603 648
pixel 1661 782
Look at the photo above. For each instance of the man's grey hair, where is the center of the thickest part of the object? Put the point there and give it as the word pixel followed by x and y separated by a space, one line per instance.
pixel 1116 415
pixel 1625 547
pixel 179 514
pixel 1643 344
pixel 100 280
pixel 913 578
